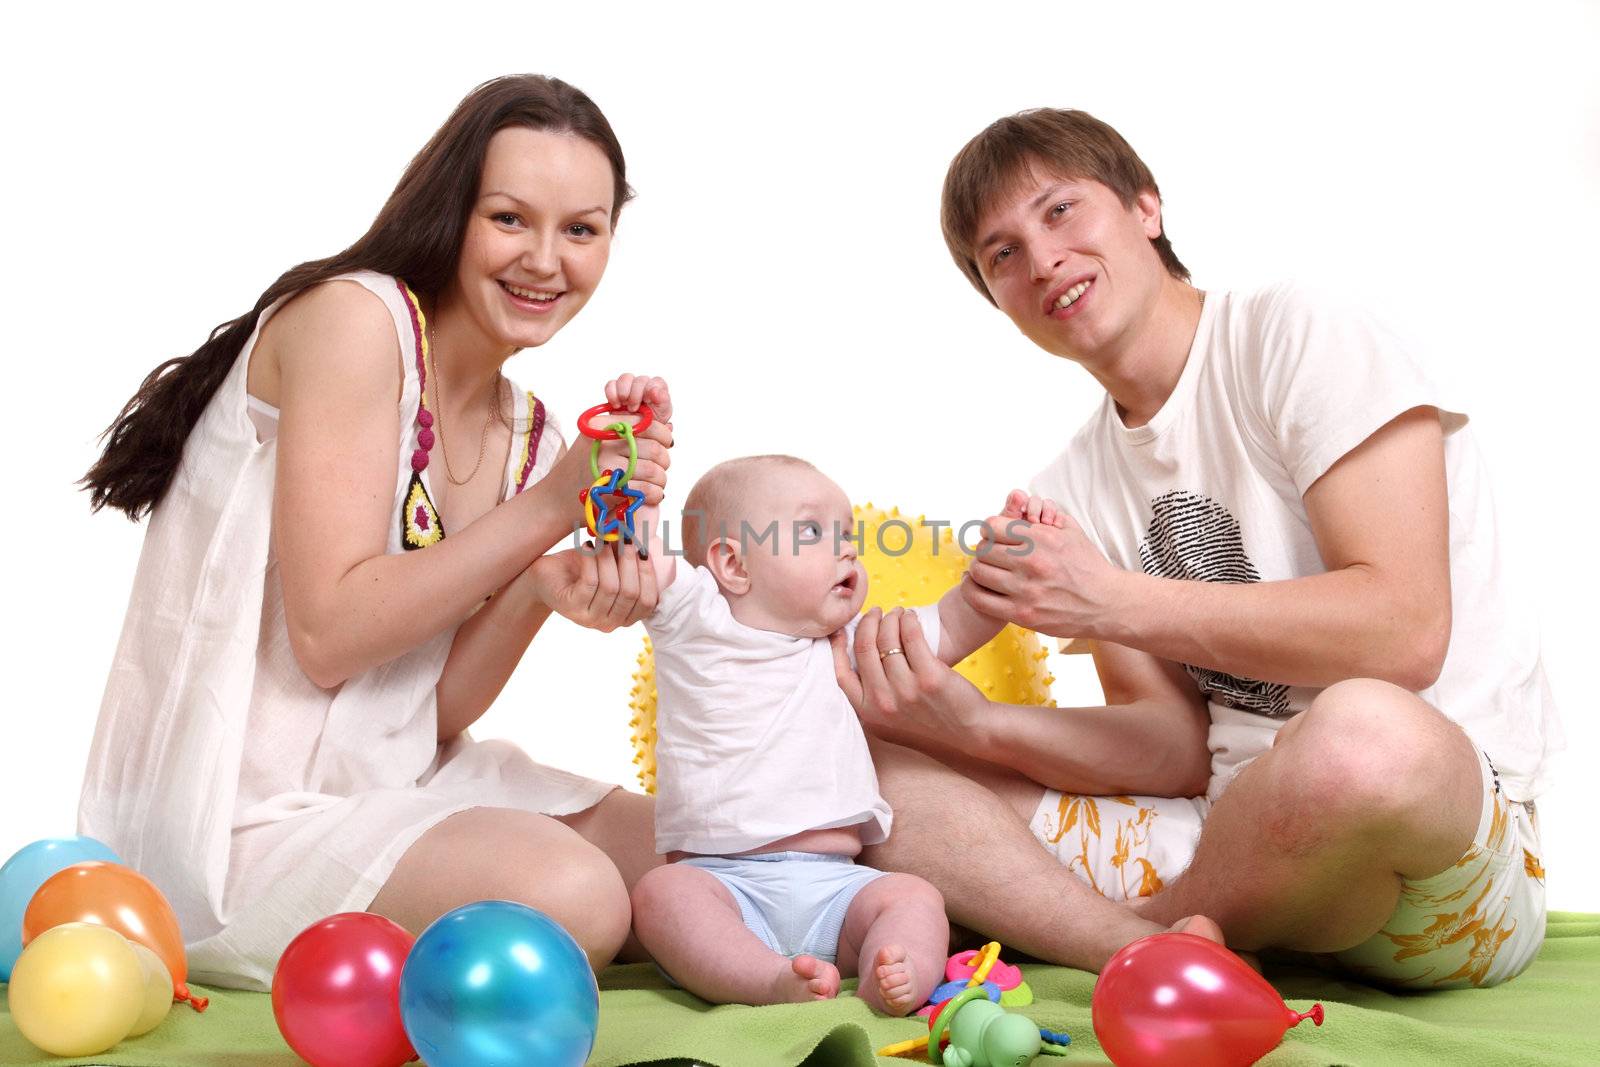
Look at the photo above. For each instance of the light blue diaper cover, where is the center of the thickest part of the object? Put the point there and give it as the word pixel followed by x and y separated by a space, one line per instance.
pixel 795 902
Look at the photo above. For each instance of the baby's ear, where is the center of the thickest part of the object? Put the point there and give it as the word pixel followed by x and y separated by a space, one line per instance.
pixel 726 566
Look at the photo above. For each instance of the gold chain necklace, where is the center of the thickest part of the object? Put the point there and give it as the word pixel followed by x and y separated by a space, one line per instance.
pixel 483 438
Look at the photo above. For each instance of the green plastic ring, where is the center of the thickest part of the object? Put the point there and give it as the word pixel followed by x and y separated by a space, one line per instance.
pixel 625 431
pixel 947 1014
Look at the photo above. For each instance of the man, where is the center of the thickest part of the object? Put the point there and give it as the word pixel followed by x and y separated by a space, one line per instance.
pixel 1326 717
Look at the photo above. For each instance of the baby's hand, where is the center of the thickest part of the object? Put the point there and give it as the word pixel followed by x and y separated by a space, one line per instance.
pixel 1039 509
pixel 628 391
pixel 625 393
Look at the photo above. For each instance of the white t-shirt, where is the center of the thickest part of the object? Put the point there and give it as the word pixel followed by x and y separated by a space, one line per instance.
pixel 1279 385
pixel 755 741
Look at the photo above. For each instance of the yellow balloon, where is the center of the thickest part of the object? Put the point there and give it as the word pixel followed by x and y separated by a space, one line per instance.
pixel 157 990
pixel 909 563
pixel 76 990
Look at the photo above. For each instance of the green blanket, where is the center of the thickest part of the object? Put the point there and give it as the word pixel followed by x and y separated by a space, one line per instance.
pixel 1549 1015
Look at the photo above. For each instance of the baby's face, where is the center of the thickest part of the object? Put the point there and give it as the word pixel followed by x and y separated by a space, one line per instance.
pixel 814 584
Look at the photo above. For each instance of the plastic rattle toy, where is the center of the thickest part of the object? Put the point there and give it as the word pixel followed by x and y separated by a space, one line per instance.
pixel 968 1029
pixel 982 967
pixel 616 522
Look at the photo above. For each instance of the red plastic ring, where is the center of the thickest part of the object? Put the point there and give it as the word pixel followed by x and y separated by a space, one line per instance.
pixel 646 417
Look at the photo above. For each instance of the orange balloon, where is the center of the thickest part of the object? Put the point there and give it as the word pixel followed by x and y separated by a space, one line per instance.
pixel 109 894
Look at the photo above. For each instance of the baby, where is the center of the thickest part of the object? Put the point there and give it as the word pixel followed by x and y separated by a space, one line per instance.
pixel 765 789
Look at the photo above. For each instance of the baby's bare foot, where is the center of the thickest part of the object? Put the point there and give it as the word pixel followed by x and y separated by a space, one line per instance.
pixel 896 979
pixel 807 978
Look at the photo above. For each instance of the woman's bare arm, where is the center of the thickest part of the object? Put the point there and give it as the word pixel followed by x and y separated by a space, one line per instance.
pixel 351 605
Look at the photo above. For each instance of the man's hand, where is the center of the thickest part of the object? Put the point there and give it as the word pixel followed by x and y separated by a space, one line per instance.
pixel 907 693
pixel 602 590
pixel 1049 578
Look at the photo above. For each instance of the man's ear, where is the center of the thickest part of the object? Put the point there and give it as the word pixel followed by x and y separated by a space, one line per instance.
pixel 1148 206
pixel 725 565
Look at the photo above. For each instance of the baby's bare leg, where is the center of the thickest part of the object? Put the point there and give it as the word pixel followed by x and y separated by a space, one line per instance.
pixel 691 924
pixel 895 937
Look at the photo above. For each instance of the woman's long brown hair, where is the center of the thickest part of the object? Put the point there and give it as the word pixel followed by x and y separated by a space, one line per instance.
pixel 416 236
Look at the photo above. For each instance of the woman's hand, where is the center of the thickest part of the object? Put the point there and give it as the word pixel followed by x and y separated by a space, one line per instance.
pixel 601 589
pixel 1046 576
pixel 906 695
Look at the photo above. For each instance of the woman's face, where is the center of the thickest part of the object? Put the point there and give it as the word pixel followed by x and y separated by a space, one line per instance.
pixel 538 235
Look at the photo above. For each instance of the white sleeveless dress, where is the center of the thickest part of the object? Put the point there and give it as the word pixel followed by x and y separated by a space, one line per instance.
pixel 258 802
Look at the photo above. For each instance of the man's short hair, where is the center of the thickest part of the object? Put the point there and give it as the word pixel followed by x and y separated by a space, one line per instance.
pixel 1073 144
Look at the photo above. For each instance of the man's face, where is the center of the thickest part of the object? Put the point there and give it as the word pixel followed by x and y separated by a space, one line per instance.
pixel 1069 264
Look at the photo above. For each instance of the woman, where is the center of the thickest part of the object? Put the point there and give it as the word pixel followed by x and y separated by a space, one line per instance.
pixel 282 733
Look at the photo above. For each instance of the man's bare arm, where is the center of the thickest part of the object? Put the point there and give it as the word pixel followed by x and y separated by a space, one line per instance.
pixel 1150 739
pixel 1381 610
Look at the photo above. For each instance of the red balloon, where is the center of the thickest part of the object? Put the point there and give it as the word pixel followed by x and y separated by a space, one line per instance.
pixel 336 992
pixel 1181 999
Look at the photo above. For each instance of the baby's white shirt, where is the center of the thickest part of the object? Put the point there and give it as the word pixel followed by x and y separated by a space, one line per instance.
pixel 755 740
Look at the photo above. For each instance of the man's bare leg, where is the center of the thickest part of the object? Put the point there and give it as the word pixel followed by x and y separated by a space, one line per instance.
pixel 1307 848
pixel 976 849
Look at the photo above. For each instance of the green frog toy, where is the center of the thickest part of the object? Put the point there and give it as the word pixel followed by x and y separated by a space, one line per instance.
pixel 983 1034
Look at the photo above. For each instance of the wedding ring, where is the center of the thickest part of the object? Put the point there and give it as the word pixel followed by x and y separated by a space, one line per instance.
pixel 891 652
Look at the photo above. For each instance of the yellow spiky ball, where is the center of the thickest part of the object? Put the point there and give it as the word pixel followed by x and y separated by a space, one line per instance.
pixel 1009 670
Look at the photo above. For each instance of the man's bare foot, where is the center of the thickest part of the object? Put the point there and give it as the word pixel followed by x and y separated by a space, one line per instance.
pixel 807 978
pixel 1201 926
pixel 894 978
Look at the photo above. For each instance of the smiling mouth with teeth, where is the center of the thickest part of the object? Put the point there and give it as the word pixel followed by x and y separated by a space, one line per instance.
pixel 536 295
pixel 1070 297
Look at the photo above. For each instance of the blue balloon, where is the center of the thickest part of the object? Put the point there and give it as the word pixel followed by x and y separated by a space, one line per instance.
pixel 22 876
pixel 497 984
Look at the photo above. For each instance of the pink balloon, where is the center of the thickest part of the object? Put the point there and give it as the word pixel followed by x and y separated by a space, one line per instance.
pixel 1181 999
pixel 336 992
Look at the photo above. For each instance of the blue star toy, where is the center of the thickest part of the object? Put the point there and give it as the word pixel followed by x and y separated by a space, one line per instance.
pixel 618 520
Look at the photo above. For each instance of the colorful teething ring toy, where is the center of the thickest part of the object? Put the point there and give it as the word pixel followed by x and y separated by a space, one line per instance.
pixel 961 967
pixel 940 1021
pixel 646 417
pixel 617 523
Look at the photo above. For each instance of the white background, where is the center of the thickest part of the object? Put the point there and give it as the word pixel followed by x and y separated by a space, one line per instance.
pixel 783 266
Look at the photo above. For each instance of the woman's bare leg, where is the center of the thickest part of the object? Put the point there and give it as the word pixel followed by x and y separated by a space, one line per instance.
pixel 622 826
pixel 509 854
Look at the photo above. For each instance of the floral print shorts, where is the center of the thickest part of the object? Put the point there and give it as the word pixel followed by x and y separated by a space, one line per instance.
pixel 1476 923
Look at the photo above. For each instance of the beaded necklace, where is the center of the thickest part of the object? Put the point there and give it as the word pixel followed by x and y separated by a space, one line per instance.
pixel 420 525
